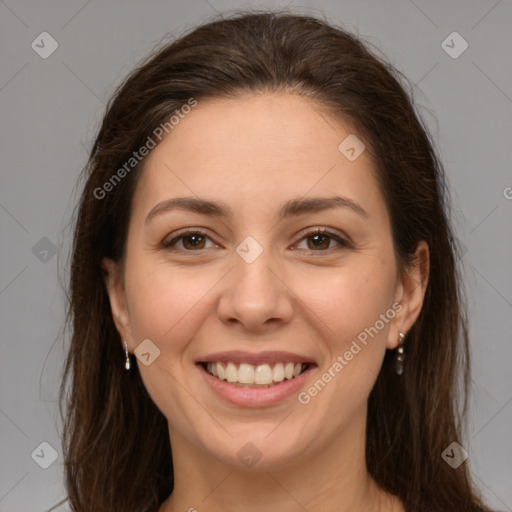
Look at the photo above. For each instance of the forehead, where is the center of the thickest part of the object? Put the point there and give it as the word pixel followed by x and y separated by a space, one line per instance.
pixel 256 150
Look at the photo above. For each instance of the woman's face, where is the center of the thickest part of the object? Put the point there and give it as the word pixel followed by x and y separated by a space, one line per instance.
pixel 255 288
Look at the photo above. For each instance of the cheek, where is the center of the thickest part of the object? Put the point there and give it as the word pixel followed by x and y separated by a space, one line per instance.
pixel 348 300
pixel 167 305
pixel 348 308
pixel 165 302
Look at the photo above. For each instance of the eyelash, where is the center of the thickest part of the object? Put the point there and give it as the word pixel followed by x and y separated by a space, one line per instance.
pixel 168 245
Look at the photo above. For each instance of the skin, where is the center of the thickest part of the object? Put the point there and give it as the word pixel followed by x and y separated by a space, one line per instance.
pixel 254 153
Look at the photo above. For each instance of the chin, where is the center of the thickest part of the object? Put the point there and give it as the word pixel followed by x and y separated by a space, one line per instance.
pixel 253 449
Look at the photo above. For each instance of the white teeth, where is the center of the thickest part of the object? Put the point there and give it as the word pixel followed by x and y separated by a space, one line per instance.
pixel 263 374
pixel 278 374
pixel 231 373
pixel 246 374
pixel 221 374
pixel 260 375
pixel 212 368
pixel 288 370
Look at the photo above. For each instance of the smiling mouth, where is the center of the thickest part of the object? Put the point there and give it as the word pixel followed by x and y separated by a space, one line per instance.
pixel 255 376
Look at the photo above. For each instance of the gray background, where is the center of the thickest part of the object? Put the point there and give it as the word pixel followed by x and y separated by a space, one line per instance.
pixel 50 109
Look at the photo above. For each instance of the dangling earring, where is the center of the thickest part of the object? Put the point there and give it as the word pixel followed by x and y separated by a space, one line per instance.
pixel 127 360
pixel 400 354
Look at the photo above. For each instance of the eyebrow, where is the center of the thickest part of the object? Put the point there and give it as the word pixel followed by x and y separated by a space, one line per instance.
pixel 292 208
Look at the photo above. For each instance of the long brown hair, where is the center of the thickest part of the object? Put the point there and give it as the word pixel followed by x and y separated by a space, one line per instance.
pixel 116 441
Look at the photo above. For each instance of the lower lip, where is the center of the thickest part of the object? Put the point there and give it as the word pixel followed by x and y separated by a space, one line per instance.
pixel 255 397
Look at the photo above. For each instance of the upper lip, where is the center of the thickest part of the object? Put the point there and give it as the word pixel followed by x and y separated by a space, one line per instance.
pixel 254 358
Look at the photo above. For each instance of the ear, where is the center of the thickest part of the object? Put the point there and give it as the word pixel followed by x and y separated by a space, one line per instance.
pixel 410 294
pixel 113 276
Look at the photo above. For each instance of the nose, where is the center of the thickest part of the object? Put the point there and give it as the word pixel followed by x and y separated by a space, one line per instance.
pixel 255 296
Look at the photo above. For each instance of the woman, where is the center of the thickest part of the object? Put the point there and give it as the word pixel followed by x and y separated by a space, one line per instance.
pixel 265 301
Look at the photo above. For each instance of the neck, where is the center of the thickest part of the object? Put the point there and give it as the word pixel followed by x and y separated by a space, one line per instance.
pixel 334 479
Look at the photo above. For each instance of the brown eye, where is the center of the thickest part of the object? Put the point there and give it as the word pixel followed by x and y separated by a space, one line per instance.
pixel 321 240
pixel 193 241
pixel 190 241
pixel 318 242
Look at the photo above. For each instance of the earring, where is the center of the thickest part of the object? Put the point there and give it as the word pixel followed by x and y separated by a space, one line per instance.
pixel 400 355
pixel 127 354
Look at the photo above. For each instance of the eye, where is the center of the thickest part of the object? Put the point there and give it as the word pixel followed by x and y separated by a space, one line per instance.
pixel 190 241
pixel 319 240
